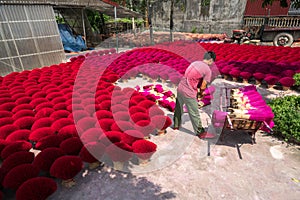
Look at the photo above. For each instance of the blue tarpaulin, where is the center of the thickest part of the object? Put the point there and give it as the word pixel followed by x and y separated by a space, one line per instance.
pixel 71 42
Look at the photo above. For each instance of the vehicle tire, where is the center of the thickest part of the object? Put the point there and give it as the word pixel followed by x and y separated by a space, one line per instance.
pixel 283 39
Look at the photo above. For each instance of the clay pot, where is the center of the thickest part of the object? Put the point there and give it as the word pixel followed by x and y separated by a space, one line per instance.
pixel 143 161
pixel 257 82
pixel 123 80
pixel 68 183
pixel 147 137
pixel 161 132
pixel 94 165
pixel 285 88
pixel 145 77
pixel 118 165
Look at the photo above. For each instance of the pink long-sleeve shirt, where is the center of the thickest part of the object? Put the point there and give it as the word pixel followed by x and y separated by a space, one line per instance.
pixel 193 74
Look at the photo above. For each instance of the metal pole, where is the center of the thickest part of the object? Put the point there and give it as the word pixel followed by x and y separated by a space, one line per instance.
pixel 171 21
pixel 150 24
pixel 133 23
pixel 83 26
pixel 117 39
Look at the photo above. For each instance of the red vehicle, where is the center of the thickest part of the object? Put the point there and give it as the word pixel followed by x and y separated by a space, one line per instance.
pixel 271 24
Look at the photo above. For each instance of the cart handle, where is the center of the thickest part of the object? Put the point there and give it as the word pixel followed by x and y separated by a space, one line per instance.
pixel 229 121
pixel 268 127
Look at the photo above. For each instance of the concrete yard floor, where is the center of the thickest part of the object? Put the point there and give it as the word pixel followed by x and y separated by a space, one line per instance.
pixel 182 169
pixel 268 170
pixel 186 167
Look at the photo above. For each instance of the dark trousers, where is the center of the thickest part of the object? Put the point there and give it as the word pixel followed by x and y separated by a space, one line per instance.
pixel 192 106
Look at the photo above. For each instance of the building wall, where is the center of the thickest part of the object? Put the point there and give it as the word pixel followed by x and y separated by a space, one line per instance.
pixel 29 38
pixel 214 16
pixel 254 8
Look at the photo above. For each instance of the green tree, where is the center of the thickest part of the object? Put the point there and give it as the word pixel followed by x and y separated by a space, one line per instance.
pixel 94 19
pixel 137 5
pixel 283 3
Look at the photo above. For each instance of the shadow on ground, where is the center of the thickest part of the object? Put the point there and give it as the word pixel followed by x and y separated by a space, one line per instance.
pixel 110 184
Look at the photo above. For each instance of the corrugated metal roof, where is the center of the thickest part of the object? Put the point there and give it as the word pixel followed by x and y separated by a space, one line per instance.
pixel 254 8
pixel 29 38
pixel 104 6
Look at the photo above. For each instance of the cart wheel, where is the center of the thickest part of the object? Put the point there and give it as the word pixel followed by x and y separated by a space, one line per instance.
pixel 283 39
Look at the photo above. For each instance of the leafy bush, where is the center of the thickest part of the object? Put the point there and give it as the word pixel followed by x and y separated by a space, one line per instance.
pixel 287 117
pixel 139 22
pixel 297 79
pixel 194 30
